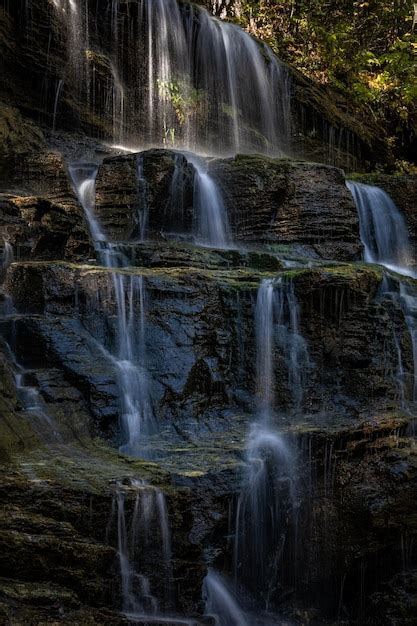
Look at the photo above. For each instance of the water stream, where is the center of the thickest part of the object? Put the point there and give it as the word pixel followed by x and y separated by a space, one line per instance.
pixel 386 242
pixel 383 229
pixel 147 530
pixel 190 80
pixel 129 354
pixel 269 497
pixel 210 214
pixel 221 603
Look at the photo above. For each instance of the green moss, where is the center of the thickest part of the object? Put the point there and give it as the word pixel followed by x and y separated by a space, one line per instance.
pixel 18 135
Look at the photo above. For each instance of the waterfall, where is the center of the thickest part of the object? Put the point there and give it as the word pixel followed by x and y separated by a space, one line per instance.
pixel 83 176
pixel 149 527
pixel 277 323
pixel 187 79
pixel 31 401
pixel 129 358
pixel 385 239
pixel 57 96
pixel 220 602
pixel 7 256
pixel 290 340
pixel 382 229
pixel 118 106
pixel 267 500
pixel 267 507
pixel 264 338
pixel 211 221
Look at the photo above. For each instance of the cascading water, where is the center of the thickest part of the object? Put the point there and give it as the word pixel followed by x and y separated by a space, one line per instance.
pixel 211 221
pixel 188 80
pixel 149 529
pixel 220 602
pixel 32 402
pixel 277 323
pixel 129 357
pixel 7 255
pixel 382 228
pixel 30 399
pixel 269 495
pixel 386 242
pixel 83 176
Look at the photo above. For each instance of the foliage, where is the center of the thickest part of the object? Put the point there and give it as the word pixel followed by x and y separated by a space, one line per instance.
pixel 184 100
pixel 367 49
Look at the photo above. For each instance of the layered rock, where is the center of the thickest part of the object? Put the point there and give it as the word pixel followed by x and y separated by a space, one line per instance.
pixel 200 338
pixel 267 201
pixel 40 216
pixel 65 76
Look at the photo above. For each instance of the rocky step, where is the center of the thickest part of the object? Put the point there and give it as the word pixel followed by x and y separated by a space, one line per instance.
pixel 182 255
pixel 200 338
pixel 267 200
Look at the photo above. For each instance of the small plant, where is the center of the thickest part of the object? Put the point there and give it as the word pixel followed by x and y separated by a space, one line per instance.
pixel 184 99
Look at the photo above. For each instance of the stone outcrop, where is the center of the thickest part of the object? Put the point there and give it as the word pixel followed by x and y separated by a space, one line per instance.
pixel 294 222
pixel 60 426
pixel 40 216
pixel 41 82
pixel 200 337
pixel 59 537
pixel 268 201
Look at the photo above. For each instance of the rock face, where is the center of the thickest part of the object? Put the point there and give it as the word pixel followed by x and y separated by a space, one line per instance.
pixel 290 203
pixel 60 326
pixel 60 70
pixel 267 201
pixel 59 539
pixel 72 500
pixel 40 216
pixel 200 334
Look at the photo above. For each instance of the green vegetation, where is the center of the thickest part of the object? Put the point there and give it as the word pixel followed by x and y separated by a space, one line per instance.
pixel 367 50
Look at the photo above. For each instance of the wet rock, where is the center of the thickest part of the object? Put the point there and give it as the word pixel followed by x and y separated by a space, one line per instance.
pixel 19 137
pixel 59 536
pixel 200 338
pixel 268 201
pixel 37 228
pixel 121 195
pixel 39 213
pixel 290 203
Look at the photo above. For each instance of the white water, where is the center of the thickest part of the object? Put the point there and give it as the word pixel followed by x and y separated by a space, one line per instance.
pixel 57 96
pixel 277 326
pixel 264 340
pixel 386 242
pixel 211 220
pixel 30 398
pixel 220 602
pixel 268 502
pixel 142 528
pixel 7 255
pixel 137 419
pixel 189 80
pixel 383 229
